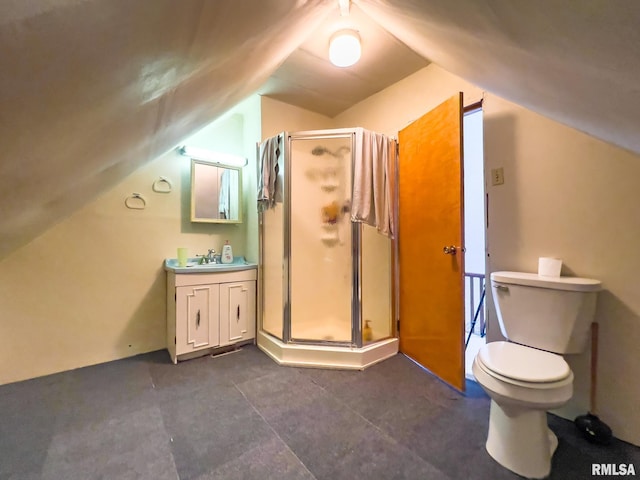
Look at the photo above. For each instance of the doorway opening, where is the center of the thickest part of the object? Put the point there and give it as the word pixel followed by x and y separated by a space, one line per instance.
pixel 474 236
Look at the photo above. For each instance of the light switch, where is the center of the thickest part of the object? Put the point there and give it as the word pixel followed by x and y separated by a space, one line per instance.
pixel 497 176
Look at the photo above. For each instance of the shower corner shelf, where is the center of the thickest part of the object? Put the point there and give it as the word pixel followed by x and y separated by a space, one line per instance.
pixel 329 187
pixel 329 233
pixel 329 240
pixel 329 227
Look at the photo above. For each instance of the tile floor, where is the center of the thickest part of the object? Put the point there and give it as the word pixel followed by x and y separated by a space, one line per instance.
pixel 241 416
pixel 475 343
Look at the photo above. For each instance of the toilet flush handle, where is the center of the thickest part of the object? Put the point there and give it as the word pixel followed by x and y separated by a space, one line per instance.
pixel 504 288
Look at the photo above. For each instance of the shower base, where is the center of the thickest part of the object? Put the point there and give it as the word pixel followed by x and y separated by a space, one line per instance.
pixel 326 356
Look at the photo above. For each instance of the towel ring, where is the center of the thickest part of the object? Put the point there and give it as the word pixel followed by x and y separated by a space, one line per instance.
pixel 133 203
pixel 162 185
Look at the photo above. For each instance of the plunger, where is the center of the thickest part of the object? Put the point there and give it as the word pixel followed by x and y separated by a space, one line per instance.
pixel 592 428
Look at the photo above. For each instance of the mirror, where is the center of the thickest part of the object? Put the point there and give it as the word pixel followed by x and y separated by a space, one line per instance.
pixel 216 193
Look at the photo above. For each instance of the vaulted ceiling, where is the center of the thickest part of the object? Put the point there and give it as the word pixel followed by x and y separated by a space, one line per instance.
pixel 92 89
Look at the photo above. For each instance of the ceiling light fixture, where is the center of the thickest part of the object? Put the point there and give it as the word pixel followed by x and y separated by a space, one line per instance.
pixel 344 7
pixel 344 48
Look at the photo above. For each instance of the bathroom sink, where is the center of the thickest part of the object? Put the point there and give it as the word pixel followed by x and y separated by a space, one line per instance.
pixel 194 266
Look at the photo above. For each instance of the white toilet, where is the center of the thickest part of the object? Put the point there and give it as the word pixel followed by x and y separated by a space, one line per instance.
pixel 538 315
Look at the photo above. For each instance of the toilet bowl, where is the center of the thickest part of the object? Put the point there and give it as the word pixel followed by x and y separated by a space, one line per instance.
pixel 523 383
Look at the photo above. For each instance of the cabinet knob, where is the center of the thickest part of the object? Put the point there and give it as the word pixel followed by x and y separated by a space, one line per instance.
pixel 198 319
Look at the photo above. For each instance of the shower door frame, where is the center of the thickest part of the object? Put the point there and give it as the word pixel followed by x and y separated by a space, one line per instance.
pixel 356 260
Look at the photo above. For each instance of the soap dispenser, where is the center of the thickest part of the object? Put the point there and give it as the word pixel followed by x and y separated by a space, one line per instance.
pixel 367 331
pixel 227 253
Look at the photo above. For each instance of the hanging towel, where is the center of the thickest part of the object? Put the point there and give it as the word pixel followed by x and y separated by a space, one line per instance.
pixel 268 173
pixel 224 203
pixel 374 181
pixel 234 194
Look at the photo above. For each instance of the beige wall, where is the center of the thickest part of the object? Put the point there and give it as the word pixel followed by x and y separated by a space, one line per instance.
pixel 278 117
pixel 92 288
pixel 566 195
pixel 571 196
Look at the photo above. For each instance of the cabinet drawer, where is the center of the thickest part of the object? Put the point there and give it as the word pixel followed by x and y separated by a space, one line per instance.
pixel 208 278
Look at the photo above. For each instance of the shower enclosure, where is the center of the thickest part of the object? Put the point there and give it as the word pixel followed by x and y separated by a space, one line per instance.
pixel 326 281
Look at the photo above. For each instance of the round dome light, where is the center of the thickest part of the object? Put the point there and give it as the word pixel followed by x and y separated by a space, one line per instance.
pixel 344 48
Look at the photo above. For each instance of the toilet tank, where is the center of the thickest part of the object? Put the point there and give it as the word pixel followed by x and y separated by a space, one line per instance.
pixel 549 313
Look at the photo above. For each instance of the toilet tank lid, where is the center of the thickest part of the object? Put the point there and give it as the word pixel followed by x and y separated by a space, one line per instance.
pixel 576 284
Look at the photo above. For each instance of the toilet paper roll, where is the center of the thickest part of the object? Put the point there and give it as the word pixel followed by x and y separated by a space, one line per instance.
pixel 549 267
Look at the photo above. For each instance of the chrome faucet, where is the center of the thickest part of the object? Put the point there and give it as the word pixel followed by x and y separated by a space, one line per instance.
pixel 211 256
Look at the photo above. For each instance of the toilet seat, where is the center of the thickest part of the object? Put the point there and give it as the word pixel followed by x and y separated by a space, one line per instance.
pixel 524 366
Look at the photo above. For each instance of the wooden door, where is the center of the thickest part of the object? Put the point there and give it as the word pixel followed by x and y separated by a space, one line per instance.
pixel 431 219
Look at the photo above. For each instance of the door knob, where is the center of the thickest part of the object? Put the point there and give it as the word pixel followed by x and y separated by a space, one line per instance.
pixel 452 249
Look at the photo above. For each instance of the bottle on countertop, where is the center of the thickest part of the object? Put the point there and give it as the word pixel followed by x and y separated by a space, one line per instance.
pixel 227 253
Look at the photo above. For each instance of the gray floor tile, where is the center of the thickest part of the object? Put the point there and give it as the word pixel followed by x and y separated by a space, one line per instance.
pixel 322 433
pixel 377 456
pixel 270 460
pixel 248 363
pixel 21 476
pixel 187 376
pixel 105 391
pixel 242 416
pixel 209 428
pixel 280 392
pixel 29 413
pixel 128 446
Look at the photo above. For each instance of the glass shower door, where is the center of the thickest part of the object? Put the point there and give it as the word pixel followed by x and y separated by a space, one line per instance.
pixel 321 258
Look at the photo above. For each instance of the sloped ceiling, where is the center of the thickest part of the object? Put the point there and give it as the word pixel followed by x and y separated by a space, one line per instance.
pixel 92 89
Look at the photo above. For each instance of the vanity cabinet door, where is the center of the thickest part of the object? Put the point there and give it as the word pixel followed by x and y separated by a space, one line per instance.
pixel 197 317
pixel 237 311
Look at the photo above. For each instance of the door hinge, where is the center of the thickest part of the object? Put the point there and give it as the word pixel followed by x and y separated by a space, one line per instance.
pixel 174 341
pixel 175 297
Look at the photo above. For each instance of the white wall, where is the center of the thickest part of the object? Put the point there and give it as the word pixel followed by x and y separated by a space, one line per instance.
pixel 92 288
pixel 565 194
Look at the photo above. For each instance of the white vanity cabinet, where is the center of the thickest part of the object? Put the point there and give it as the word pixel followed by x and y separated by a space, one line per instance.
pixel 209 310
pixel 237 312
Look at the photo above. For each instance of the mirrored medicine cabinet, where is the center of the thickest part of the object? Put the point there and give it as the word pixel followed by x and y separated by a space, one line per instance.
pixel 216 192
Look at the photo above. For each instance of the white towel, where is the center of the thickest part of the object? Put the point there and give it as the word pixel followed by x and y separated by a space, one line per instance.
pixel 268 173
pixel 224 203
pixel 373 181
